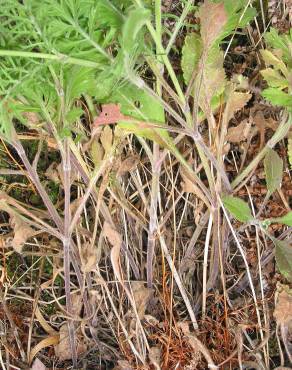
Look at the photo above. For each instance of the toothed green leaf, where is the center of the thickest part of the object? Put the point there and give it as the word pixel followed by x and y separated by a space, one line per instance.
pixel 277 97
pixel 284 258
pixel 273 165
pixel 238 208
pixel 191 53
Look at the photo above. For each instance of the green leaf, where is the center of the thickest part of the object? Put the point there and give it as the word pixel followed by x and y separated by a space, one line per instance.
pixel 73 115
pixel 285 220
pixel 191 53
pixel 280 42
pixel 213 79
pixel 283 255
pixel 278 97
pixel 109 14
pixel 79 81
pixel 135 21
pixel 273 170
pixel 136 103
pixel 272 60
pixel 238 208
pixel 232 15
pixel 274 78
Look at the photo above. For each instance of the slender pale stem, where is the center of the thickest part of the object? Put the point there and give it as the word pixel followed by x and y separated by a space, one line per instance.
pixel 278 135
pixel 62 58
pixel 67 245
pixel 36 181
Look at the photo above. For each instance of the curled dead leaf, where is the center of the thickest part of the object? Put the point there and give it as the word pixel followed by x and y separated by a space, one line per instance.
pixel 38 365
pixel 238 133
pixel 22 232
pixel 89 255
pixel 106 138
pixel 63 350
pixel 115 240
pixel 97 152
pixel 283 309
pixel 52 173
pixel 283 316
pixel 141 296
pixel 155 357
pixel 128 165
pixel 123 365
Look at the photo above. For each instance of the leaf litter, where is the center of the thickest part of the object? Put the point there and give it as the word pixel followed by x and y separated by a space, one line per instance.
pixel 141 169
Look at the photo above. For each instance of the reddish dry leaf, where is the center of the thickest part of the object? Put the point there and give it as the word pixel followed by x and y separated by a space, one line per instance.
pixel 213 18
pixel 110 113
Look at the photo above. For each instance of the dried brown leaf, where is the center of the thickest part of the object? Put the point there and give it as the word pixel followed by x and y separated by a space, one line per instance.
pixel 155 357
pixel 123 365
pixel 22 232
pixel 97 152
pixel 238 133
pixel 106 138
pixel 89 255
pixel 236 101
pixel 141 296
pixel 128 165
pixel 63 350
pixel 283 309
pixel 52 173
pixel 116 240
pixel 38 365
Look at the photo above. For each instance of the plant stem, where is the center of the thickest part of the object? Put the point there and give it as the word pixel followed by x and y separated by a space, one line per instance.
pixel 67 245
pixel 62 58
pixel 278 135
pixel 156 169
pixel 178 25
pixel 36 181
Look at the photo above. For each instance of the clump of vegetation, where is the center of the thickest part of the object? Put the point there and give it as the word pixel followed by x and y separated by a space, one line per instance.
pixel 145 193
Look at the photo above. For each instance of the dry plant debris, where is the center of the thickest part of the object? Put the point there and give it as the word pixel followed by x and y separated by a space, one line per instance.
pixel 145 203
